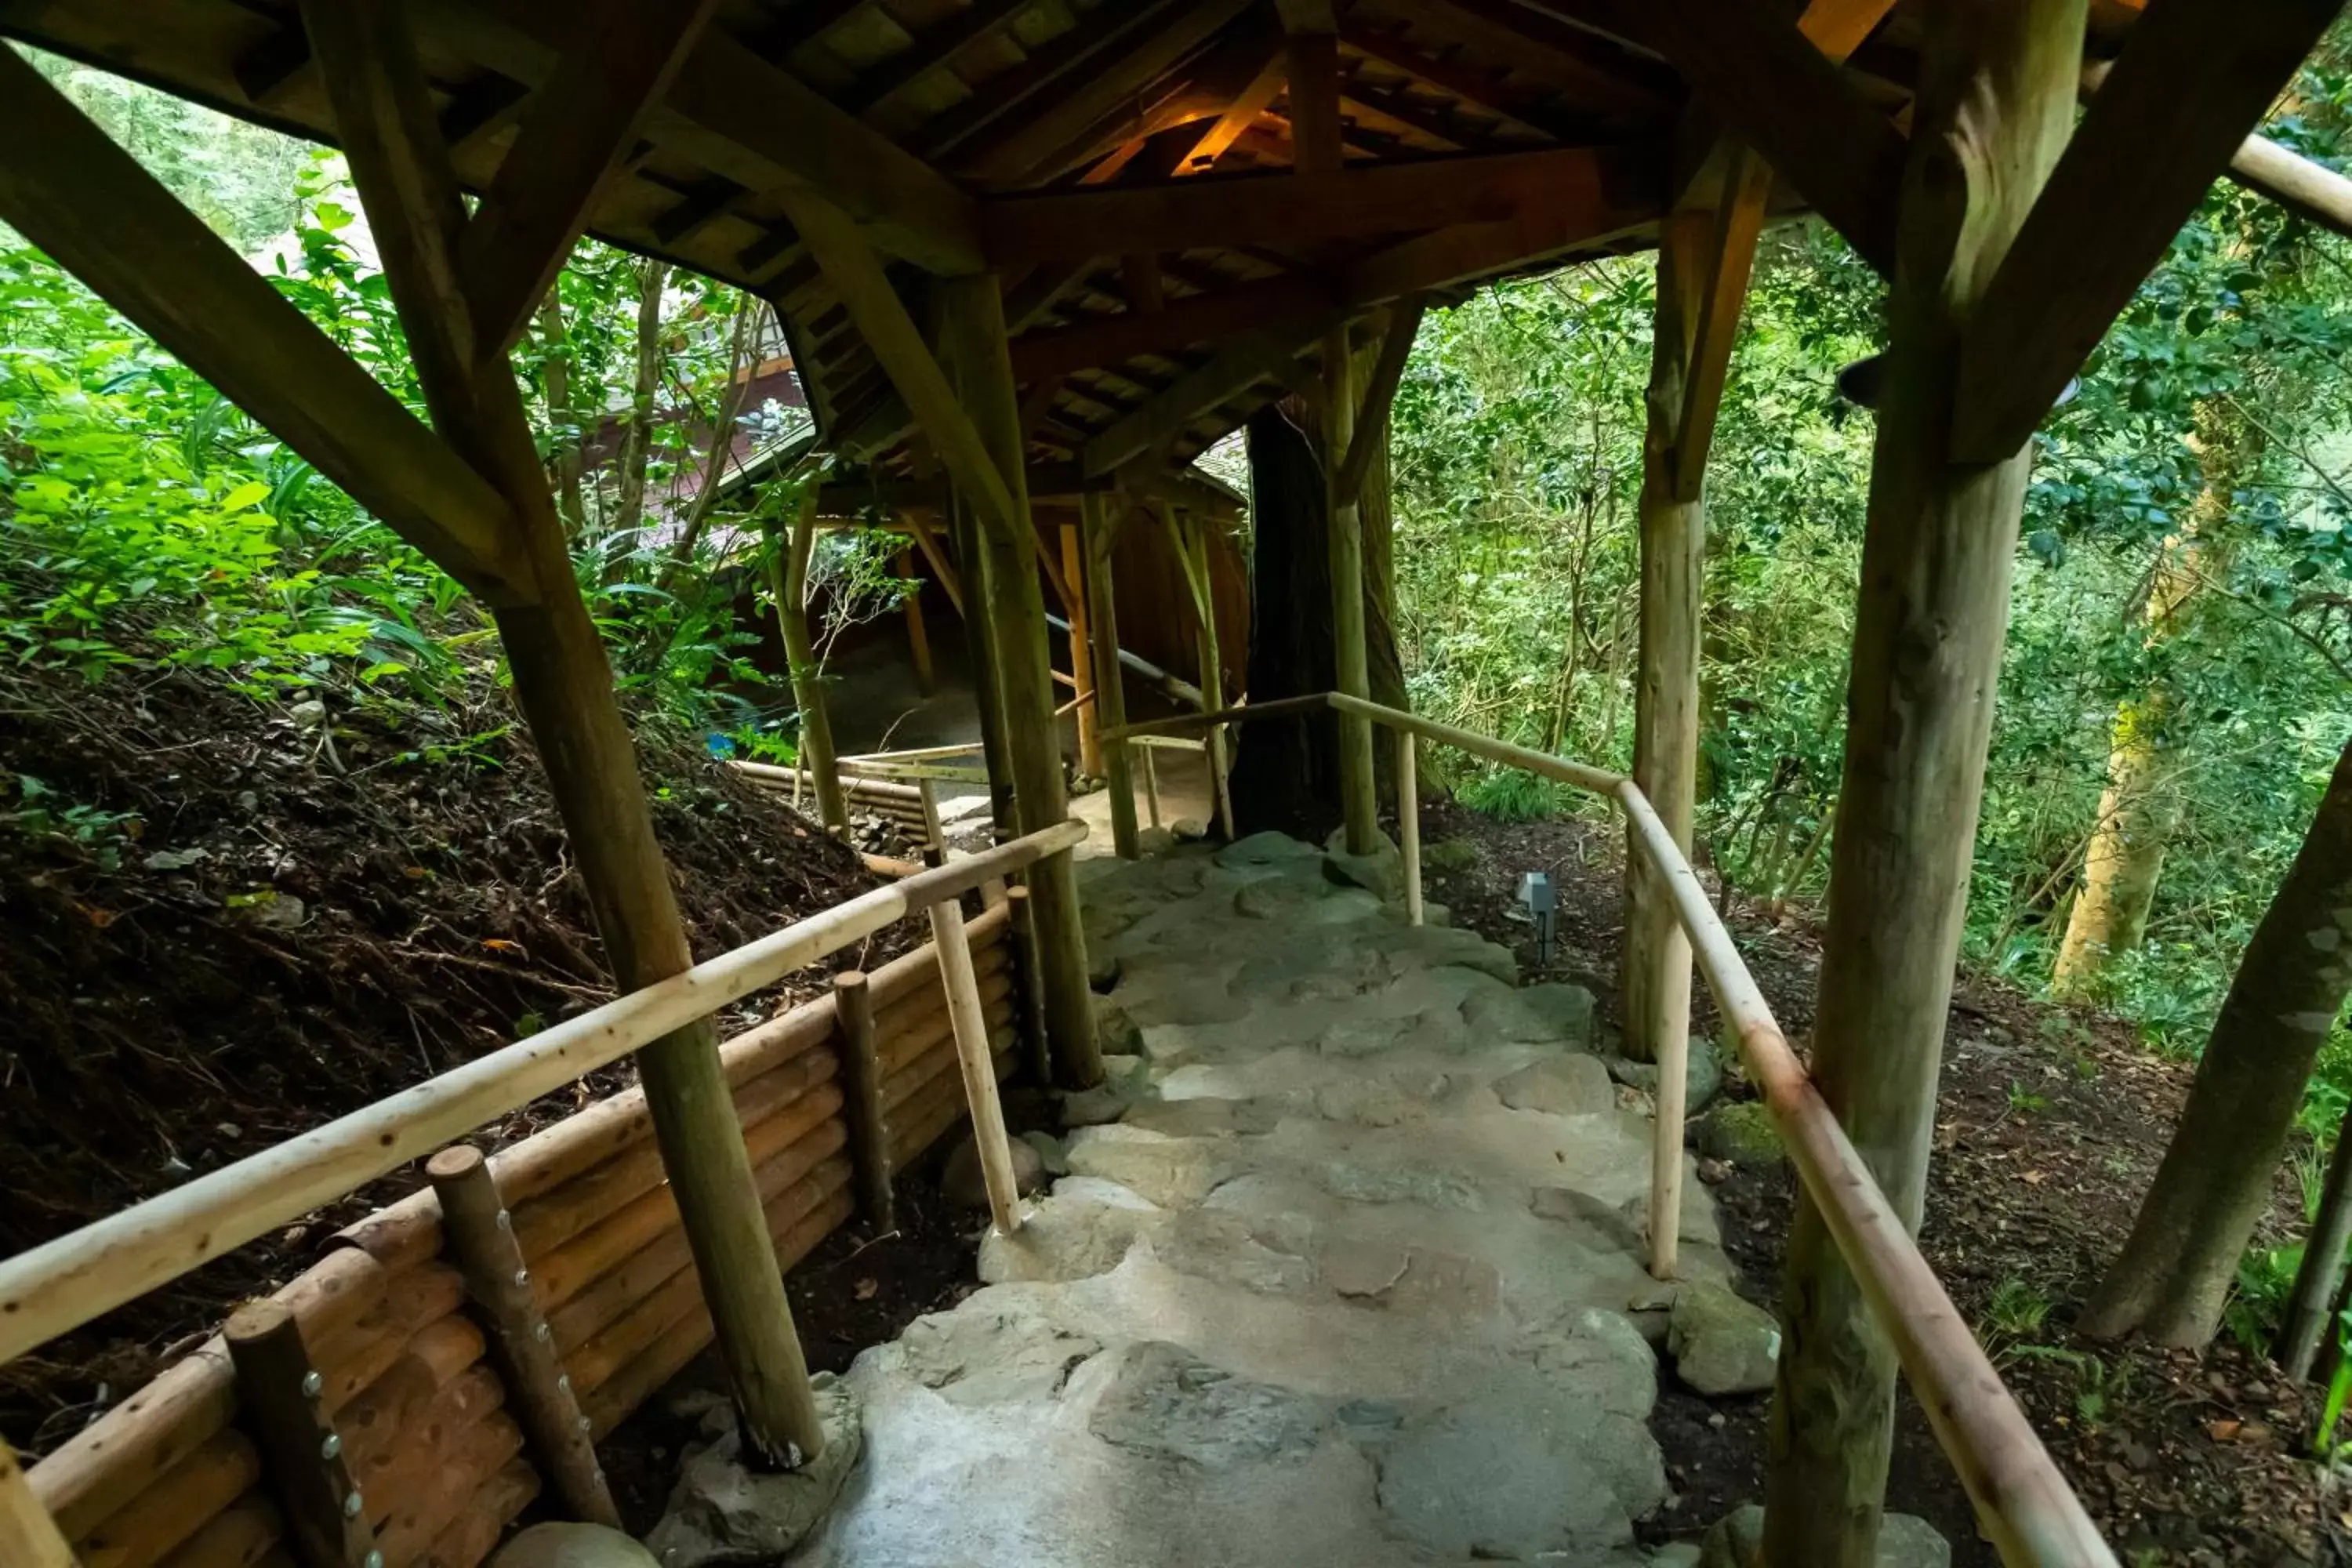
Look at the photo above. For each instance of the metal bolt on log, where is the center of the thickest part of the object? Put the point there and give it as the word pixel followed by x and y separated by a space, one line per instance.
pixel 278 1394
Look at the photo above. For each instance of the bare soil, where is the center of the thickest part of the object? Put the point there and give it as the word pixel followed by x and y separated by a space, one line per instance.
pixel 2051 1124
pixel 232 920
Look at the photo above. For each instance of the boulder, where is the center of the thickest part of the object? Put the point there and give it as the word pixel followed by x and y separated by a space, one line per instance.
pixel 1904 1541
pixel 1562 1085
pixel 1449 854
pixel 967 1188
pixel 1702 1075
pixel 571 1545
pixel 723 1513
pixel 1738 1132
pixel 1379 873
pixel 1720 1343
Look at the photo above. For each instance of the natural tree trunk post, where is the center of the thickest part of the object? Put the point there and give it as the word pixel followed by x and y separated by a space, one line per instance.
pixel 978 1063
pixel 28 1534
pixel 556 343
pixel 564 683
pixel 788 564
pixel 1110 686
pixel 279 1397
pixel 973 325
pixel 2174 1274
pixel 1151 782
pixel 934 835
pixel 918 637
pixel 481 1234
pixel 2312 1305
pixel 1358 790
pixel 1408 790
pixel 869 1130
pixel 1082 657
pixel 1994 111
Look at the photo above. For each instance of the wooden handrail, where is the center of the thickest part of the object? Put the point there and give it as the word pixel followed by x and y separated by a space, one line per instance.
pixel 56 1287
pixel 2022 1502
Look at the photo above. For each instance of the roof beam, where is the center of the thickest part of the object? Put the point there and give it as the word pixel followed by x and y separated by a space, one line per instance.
pixel 2195 78
pixel 1722 289
pixel 610 74
pixel 1371 423
pixel 1161 419
pixel 70 189
pixel 1239 115
pixel 1591 69
pixel 1287 208
pixel 1176 326
pixel 1789 102
pixel 937 50
pixel 1482 92
pixel 737 115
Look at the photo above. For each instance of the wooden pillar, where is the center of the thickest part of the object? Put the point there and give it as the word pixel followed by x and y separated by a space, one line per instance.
pixel 29 1536
pixel 1408 788
pixel 996 752
pixel 1110 700
pixel 1193 534
pixel 1359 786
pixel 788 564
pixel 1014 609
pixel 1703 265
pixel 480 1233
pixel 564 685
pixel 1995 108
pixel 870 1131
pixel 918 637
pixel 1082 658
pixel 279 1401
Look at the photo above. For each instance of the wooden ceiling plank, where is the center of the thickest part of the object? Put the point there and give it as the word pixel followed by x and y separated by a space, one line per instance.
pixel 2196 78
pixel 1394 198
pixel 71 190
pixel 1471 86
pixel 1004 94
pixel 1202 318
pixel 1230 372
pixel 1789 101
pixel 1129 70
pixel 1595 72
pixel 586 115
pixel 937 50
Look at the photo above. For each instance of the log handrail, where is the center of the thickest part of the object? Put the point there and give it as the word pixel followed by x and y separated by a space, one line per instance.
pixel 2022 1502
pixel 58 1286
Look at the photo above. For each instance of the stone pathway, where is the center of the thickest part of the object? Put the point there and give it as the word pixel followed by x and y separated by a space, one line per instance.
pixel 1347 1270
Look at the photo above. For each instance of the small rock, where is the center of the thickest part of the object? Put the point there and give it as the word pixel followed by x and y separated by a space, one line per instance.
pixel 1188 829
pixel 174 859
pixel 1449 854
pixel 1702 1075
pixel 1717 1420
pixel 722 1512
pixel 1562 1086
pixel 1714 1172
pixel 308 715
pixel 965 1186
pixel 1379 873
pixel 1741 1133
pixel 569 1546
pixel 1721 1343
pixel 1050 1152
pixel 1904 1541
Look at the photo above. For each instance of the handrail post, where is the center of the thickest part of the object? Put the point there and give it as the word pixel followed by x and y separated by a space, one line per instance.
pixel 970 1026
pixel 1152 781
pixel 1409 822
pixel 28 1534
pixel 521 1347
pixel 870 1131
pixel 279 1395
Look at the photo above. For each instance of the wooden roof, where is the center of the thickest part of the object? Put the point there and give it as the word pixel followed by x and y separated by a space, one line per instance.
pixel 1124 165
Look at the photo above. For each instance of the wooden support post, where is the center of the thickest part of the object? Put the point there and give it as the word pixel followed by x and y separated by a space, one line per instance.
pixel 869 1134
pixel 1110 685
pixel 1408 788
pixel 564 685
pixel 979 1065
pixel 1152 782
pixel 29 1536
pixel 1193 534
pixel 934 835
pixel 1994 113
pixel 972 330
pixel 480 1234
pixel 278 1402
pixel 1025 965
pixel 918 637
pixel 996 750
pixel 788 564
pixel 1082 655
pixel 1358 790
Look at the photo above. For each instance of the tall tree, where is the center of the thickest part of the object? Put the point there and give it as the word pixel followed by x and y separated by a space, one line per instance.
pixel 2172 1277
pixel 637 438
pixel 2140 808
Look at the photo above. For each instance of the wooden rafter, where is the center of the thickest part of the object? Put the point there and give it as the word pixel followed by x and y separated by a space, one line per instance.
pixel 1281 209
pixel 1482 92
pixel 1239 115
pixel 1722 291
pixel 1182 323
pixel 587 114
pixel 71 190
pixel 938 49
pixel 1789 101
pixel 2197 76
pixel 1233 371
pixel 1371 426
pixel 1096 33
pixel 1589 69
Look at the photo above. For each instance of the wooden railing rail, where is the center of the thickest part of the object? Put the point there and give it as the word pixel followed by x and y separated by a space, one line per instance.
pixel 56 1287
pixel 2023 1503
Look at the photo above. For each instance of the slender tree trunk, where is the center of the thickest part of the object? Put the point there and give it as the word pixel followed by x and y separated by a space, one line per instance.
pixel 2172 1277
pixel 1995 107
pixel 2139 810
pixel 722 441
pixel 788 564
pixel 2310 1308
pixel 1286 774
pixel 556 375
pixel 637 440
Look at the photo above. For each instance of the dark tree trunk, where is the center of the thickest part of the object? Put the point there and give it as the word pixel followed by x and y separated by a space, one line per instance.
pixel 1286 773
pixel 2311 1308
pixel 2176 1270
